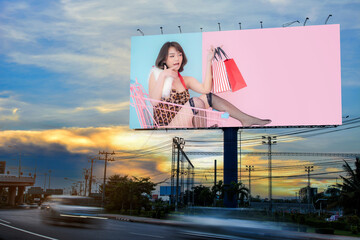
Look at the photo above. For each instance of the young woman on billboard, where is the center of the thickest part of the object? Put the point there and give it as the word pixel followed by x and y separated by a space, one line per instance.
pixel 167 85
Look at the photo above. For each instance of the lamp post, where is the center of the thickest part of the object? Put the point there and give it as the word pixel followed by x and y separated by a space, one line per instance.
pixel 290 23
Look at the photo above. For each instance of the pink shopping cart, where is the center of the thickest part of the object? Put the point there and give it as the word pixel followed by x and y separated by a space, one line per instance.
pixel 145 106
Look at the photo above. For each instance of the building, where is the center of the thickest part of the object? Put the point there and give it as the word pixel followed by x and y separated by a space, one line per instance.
pixel 305 192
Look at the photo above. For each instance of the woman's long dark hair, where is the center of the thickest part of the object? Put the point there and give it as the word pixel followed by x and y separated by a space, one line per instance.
pixel 163 54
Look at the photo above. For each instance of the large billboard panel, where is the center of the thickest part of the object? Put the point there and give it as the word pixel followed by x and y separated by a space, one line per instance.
pixel 281 77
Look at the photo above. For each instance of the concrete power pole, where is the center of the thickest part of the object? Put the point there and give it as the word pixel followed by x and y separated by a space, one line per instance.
pixel 180 143
pixel 91 173
pixel 270 141
pixel 45 181
pixel 240 155
pixel 249 168
pixel 309 169
pixel 49 178
pixel 106 159
pixel 86 176
pixel 215 182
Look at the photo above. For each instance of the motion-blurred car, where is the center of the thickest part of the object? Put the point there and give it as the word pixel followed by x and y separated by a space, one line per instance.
pixel 71 209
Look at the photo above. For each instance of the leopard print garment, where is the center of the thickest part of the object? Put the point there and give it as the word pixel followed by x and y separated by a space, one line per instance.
pixel 164 113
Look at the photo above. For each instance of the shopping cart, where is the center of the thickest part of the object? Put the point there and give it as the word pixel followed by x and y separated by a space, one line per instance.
pixel 145 106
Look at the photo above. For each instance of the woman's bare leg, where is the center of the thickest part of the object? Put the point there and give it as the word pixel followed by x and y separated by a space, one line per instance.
pixel 223 105
pixel 186 118
pixel 199 119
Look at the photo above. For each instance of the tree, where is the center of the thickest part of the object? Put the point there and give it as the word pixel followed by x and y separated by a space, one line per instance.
pixel 125 193
pixel 218 190
pixel 238 190
pixel 350 189
pixel 202 196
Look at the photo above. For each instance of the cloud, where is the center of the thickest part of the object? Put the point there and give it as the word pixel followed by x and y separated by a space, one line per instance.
pixel 78 64
pixel 10 107
pixel 68 149
pixel 106 108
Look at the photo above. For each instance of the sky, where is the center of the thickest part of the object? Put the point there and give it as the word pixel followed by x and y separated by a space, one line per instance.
pixel 64 89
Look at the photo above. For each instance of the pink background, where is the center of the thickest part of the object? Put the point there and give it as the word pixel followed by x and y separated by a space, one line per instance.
pixel 293 74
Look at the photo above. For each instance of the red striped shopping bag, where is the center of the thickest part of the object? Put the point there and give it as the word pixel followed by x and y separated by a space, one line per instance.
pixel 220 78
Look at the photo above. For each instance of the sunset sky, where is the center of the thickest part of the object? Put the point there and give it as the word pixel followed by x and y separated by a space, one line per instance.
pixel 64 89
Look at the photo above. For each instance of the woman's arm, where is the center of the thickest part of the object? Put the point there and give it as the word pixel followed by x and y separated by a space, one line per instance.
pixel 156 86
pixel 205 86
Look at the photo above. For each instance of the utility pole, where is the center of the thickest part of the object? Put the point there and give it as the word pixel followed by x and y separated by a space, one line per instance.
pixel 270 141
pixel 240 154
pixel 249 168
pixel 105 164
pixel 215 182
pixel 180 143
pixel 308 169
pixel 49 178
pixel 45 182
pixel 86 176
pixel 215 173
pixel 91 172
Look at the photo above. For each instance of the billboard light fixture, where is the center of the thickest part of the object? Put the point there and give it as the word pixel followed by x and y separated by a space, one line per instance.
pixel 306 19
pixel 290 23
pixel 327 19
pixel 179 28
pixel 261 24
pixel 240 25
pixel 161 29
pixel 201 29
pixel 219 26
pixel 141 32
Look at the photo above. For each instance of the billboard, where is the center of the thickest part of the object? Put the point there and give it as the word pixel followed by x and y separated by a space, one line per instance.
pixel 280 77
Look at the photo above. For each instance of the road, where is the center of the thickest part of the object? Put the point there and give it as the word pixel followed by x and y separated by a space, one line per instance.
pixel 26 224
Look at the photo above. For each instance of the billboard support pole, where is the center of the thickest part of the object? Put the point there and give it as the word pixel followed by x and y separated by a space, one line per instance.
pixel 230 164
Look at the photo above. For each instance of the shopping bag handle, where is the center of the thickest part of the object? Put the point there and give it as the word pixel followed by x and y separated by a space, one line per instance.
pixel 216 52
pixel 220 50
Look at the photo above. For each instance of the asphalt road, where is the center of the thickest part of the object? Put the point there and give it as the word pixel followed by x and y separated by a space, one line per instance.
pixel 27 224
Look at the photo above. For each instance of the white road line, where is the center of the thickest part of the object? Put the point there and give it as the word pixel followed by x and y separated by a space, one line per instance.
pixel 22 230
pixel 5 221
pixel 146 235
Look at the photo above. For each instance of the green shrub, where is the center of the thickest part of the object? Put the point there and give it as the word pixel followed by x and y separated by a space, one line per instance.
pixel 339 225
pixel 325 230
pixel 317 223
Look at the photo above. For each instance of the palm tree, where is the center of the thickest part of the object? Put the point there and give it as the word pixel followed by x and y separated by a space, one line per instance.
pixel 218 190
pixel 239 190
pixel 350 189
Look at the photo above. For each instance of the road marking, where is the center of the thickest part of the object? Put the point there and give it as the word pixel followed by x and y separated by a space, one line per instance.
pixel 5 221
pixel 22 230
pixel 146 235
